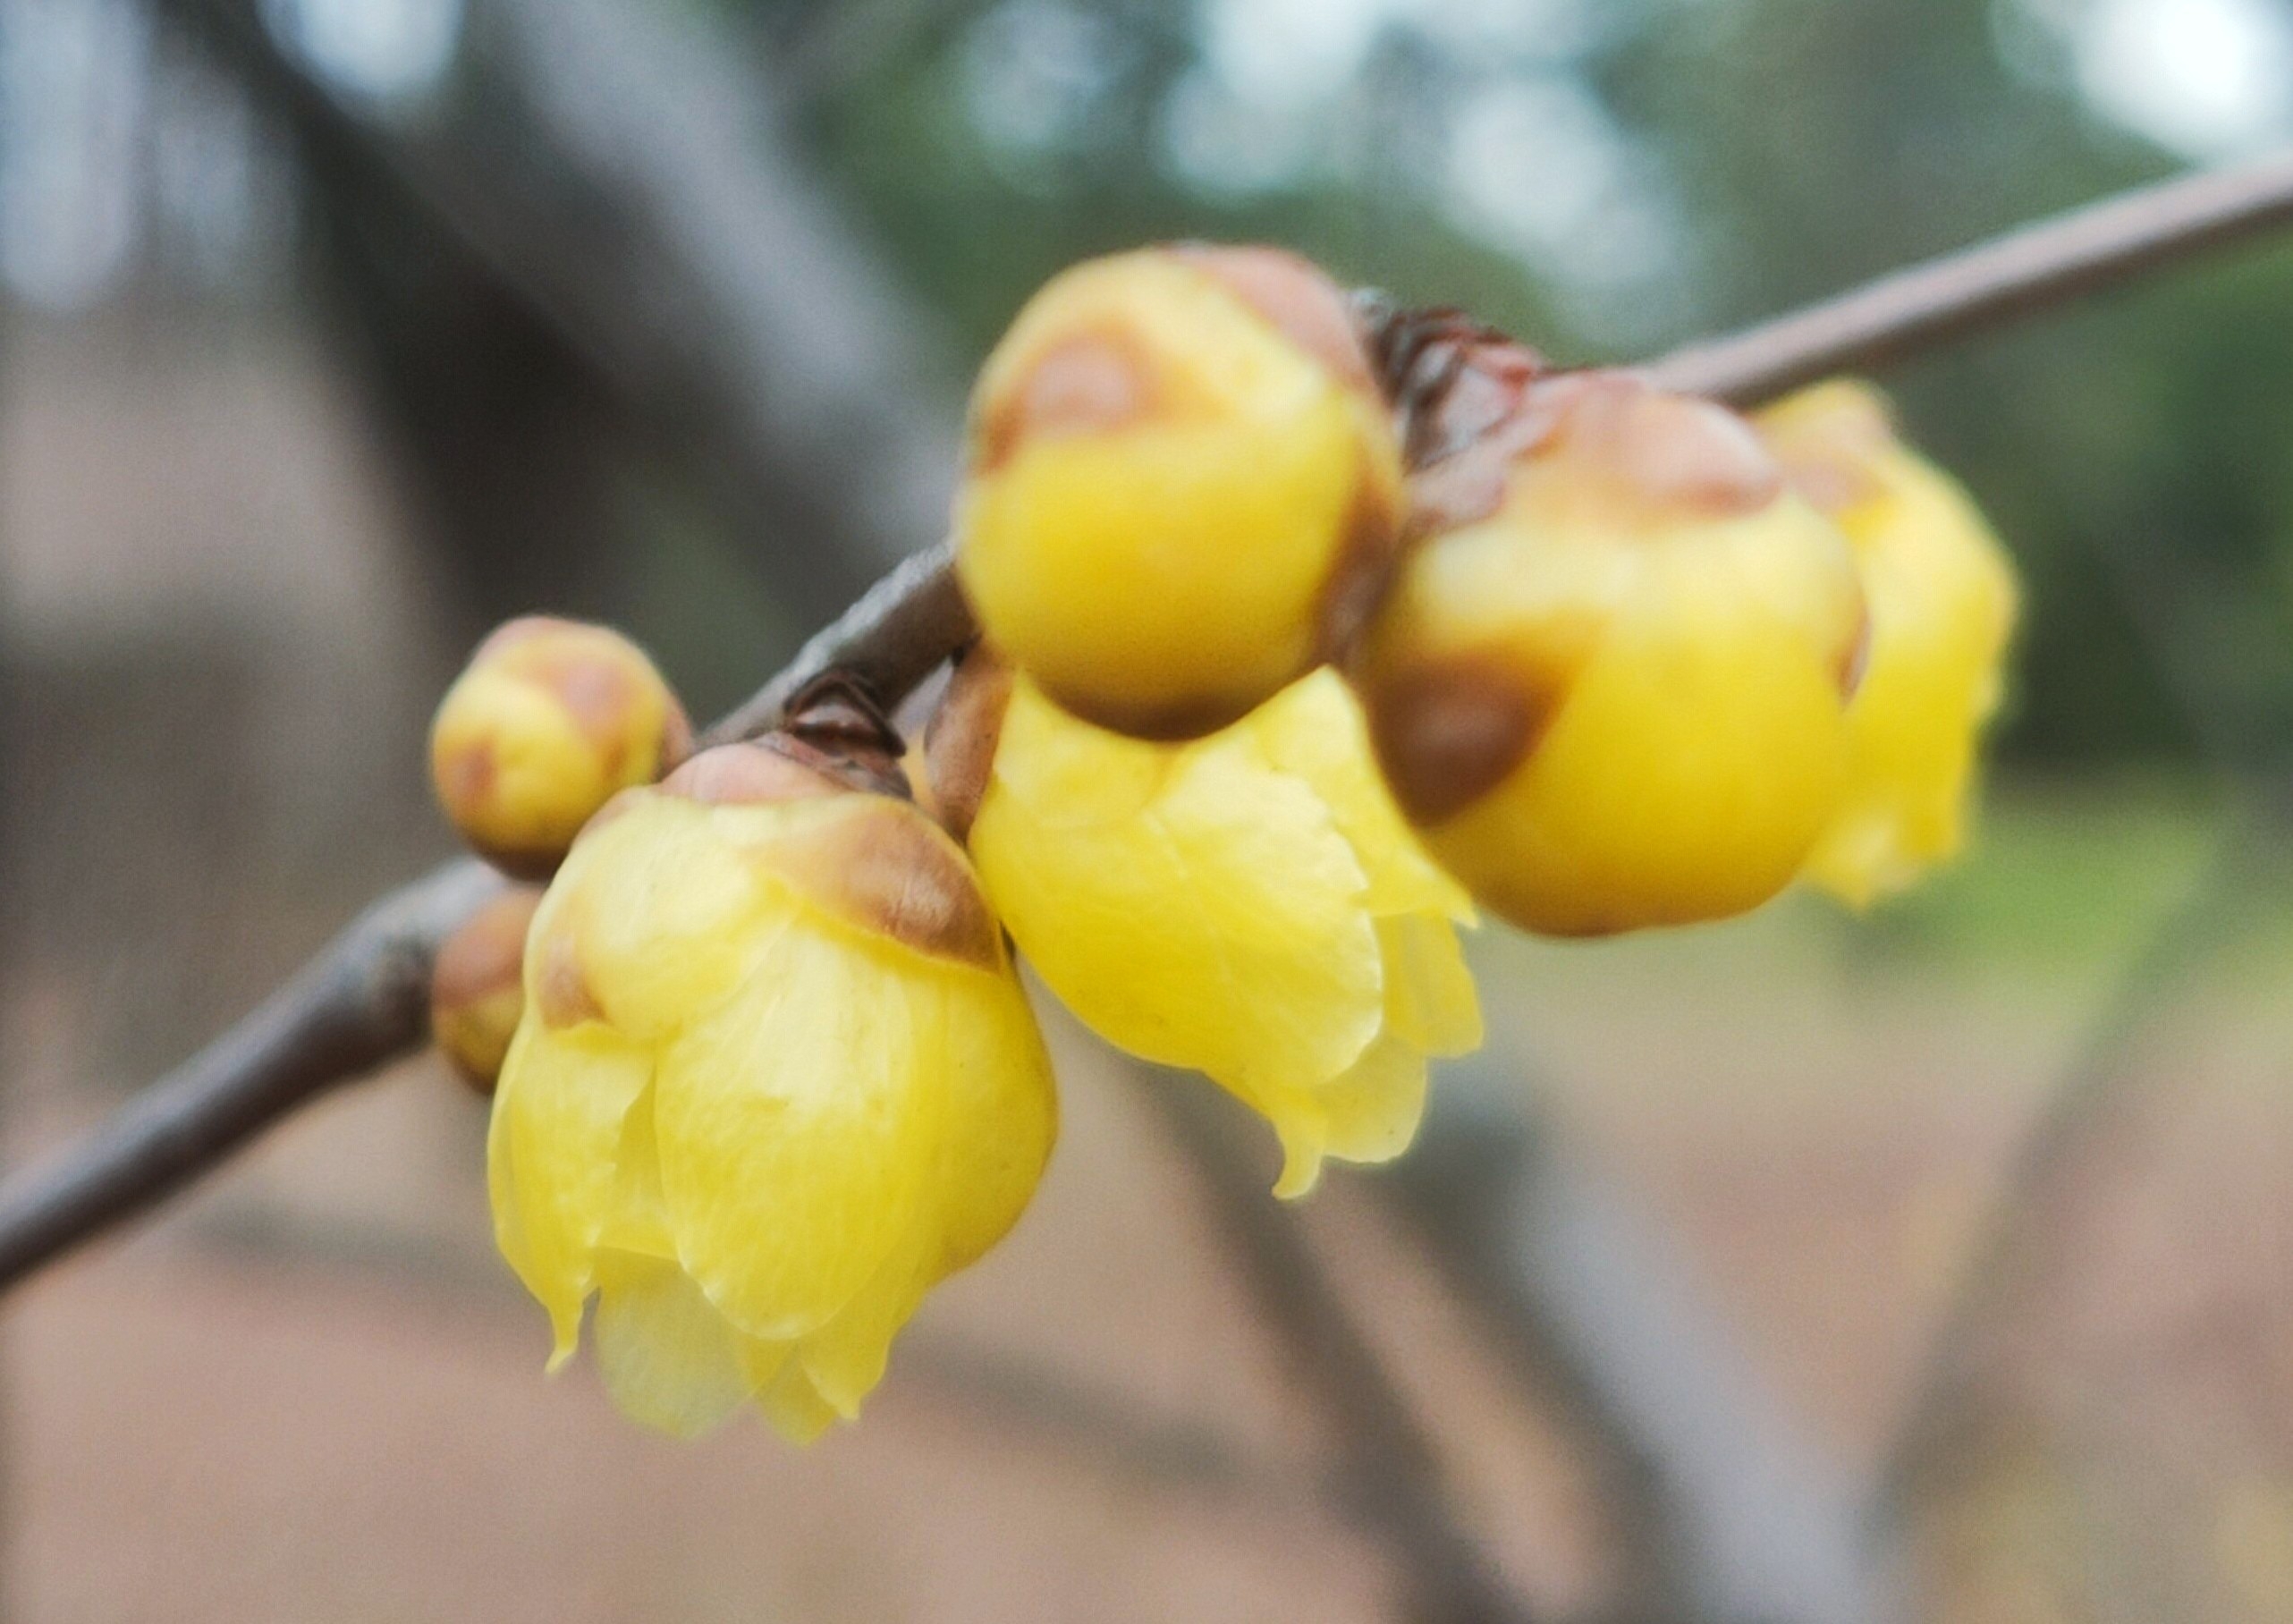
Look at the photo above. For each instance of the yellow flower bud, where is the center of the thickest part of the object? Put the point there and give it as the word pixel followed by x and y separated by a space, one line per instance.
pixel 1943 610
pixel 477 986
pixel 1610 689
pixel 776 1078
pixel 1183 487
pixel 549 720
pixel 1249 905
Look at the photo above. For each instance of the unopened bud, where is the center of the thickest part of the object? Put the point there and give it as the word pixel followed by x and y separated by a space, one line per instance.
pixel 1183 488
pixel 1610 691
pixel 548 722
pixel 477 987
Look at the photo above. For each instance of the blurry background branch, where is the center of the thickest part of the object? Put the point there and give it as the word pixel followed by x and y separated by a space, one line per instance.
pixel 1389 1475
pixel 599 183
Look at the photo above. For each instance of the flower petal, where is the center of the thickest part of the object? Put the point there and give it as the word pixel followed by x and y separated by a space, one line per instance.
pixel 558 1115
pixel 1220 926
pixel 797 1133
pixel 1315 730
pixel 794 1407
pixel 1373 1110
pixel 668 1358
pixel 1002 1111
pixel 661 906
pixel 844 1359
pixel 1430 1000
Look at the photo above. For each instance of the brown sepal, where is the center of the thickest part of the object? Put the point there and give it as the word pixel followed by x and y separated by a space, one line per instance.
pixel 960 739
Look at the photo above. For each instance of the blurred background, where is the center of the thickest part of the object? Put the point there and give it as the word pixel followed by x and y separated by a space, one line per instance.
pixel 1936 1264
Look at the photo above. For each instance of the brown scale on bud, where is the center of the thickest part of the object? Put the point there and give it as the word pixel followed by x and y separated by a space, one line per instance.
pixel 1448 731
pixel 960 742
pixel 888 870
pixel 477 986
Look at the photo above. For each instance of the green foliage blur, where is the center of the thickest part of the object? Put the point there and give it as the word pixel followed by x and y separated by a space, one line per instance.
pixel 1610 177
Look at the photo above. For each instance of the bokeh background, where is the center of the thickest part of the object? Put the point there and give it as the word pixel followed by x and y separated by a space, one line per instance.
pixel 1934 1264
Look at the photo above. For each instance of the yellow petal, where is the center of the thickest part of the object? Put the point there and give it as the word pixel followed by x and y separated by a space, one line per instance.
pixel 1943 602
pixel 844 1359
pixel 794 1407
pixel 1430 1000
pixel 1314 730
pixel 557 1123
pixel 1699 755
pixel 663 909
pixel 639 1221
pixel 1303 1127
pixel 1220 926
pixel 1002 1111
pixel 668 1358
pixel 798 1138
pixel 1373 1110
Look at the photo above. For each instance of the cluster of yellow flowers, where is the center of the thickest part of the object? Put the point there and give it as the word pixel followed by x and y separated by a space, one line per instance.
pixel 1297 644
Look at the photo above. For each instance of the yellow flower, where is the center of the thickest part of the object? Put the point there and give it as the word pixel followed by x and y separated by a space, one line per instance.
pixel 1943 610
pixel 549 720
pixel 1609 689
pixel 1183 487
pixel 1249 905
pixel 775 1078
pixel 477 986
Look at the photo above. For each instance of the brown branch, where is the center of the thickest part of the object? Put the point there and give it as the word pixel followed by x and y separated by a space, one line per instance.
pixel 362 1002
pixel 359 1005
pixel 2018 275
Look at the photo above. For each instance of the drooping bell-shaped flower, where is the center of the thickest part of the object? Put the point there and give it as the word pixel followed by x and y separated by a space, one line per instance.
pixel 1943 600
pixel 1249 905
pixel 775 1078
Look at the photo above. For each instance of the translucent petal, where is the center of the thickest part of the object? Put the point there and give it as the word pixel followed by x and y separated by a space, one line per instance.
pixel 1221 926
pixel 844 1359
pixel 1942 608
pixel 1303 1127
pixel 1430 1000
pixel 639 1216
pixel 1373 1110
pixel 796 1410
pixel 558 1115
pixel 668 1358
pixel 798 1133
pixel 1002 1111
pixel 1314 730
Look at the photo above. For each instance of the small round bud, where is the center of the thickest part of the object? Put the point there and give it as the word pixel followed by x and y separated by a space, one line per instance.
pixel 477 986
pixel 1610 688
pixel 549 720
pixel 1943 610
pixel 1183 487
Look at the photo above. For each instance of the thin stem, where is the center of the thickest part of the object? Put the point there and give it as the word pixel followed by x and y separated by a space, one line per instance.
pixel 2008 278
pixel 358 1004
